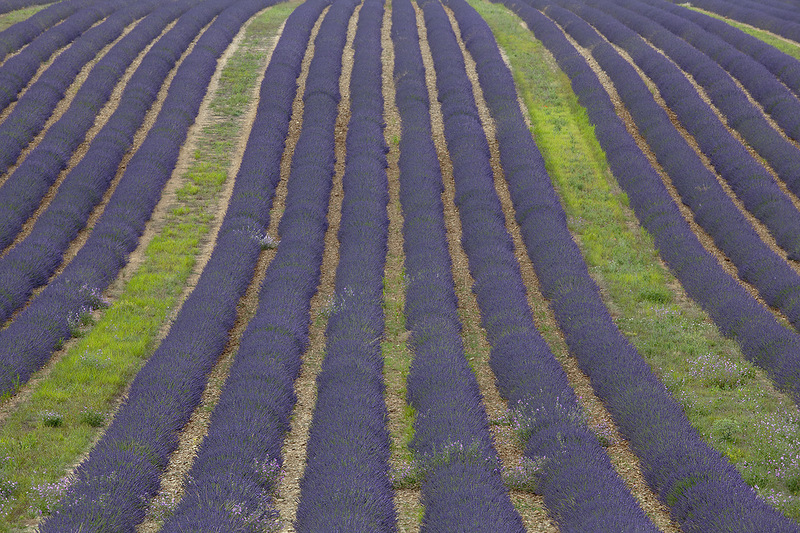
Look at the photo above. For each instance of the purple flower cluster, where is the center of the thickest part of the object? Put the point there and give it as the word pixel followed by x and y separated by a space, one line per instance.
pixel 707 58
pixel 776 99
pixel 738 315
pixel 23 32
pixel 18 70
pixel 122 472
pixel 580 486
pixel 345 486
pixel 705 493
pixel 462 483
pixel 30 263
pixel 36 331
pixel 783 66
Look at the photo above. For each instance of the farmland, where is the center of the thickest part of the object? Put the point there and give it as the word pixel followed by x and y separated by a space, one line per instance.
pixel 531 265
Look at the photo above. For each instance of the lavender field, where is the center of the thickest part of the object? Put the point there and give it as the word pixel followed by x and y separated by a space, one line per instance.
pixel 383 265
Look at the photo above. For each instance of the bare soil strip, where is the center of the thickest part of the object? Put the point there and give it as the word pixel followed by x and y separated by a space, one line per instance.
pixel 173 479
pixel 136 257
pixel 508 447
pixel 530 506
pixel 624 460
pixel 204 119
pixel 757 225
pixel 100 121
pixel 294 447
pixel 396 353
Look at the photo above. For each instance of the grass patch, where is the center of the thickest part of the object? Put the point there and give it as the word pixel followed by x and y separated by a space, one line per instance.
pixel 781 44
pixel 732 404
pixel 82 388
pixel 12 17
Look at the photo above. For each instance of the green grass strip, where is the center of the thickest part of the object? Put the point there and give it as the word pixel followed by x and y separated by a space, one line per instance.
pixel 69 407
pixel 732 405
pixel 12 17
pixel 781 44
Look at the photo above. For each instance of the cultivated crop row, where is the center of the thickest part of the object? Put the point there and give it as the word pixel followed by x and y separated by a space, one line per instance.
pixel 127 461
pixel 48 195
pixel 769 345
pixel 346 480
pixel 527 373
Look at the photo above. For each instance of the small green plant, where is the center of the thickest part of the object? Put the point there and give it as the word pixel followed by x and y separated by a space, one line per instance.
pixel 406 476
pixel 52 419
pixel 725 429
pixel 92 418
pixel 268 242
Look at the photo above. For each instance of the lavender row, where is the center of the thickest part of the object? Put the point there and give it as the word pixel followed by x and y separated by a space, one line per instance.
pixel 461 478
pixel 23 32
pixel 37 103
pixel 783 66
pixel 749 14
pixel 18 70
pixel 30 263
pixel 713 209
pixel 704 491
pixel 581 489
pixel 712 62
pixel 749 180
pixel 38 329
pixel 345 486
pixel 123 470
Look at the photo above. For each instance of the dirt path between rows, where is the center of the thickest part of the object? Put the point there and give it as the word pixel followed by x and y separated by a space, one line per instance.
pixel 42 68
pixel 530 506
pixel 406 500
pixel 134 260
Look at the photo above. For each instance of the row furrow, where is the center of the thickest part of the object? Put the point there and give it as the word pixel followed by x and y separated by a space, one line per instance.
pixel 17 71
pixel 35 106
pixel 575 468
pixel 345 486
pixel 750 181
pixel 22 33
pixel 778 283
